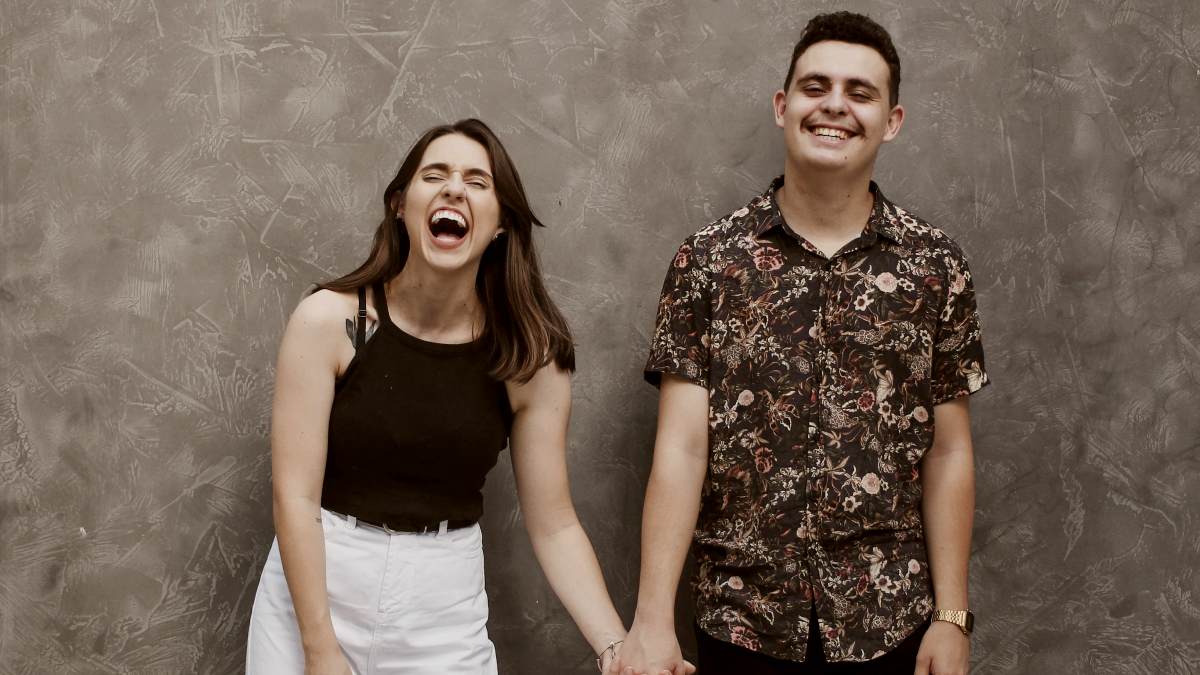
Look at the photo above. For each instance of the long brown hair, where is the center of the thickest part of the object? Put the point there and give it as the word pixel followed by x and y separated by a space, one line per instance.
pixel 523 329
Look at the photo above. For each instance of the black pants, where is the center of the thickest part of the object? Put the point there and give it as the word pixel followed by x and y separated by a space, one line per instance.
pixel 717 657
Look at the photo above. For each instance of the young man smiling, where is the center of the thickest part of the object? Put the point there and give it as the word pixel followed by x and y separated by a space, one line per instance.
pixel 815 350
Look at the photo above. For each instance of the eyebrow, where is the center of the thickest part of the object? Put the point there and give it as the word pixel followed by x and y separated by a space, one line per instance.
pixel 441 166
pixel 826 80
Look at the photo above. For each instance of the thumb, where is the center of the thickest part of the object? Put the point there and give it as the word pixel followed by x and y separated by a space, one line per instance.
pixel 923 663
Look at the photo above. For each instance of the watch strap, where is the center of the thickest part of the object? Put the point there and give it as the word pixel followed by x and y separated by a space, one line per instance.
pixel 963 618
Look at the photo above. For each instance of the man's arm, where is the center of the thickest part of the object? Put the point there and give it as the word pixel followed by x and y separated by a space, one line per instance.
pixel 948 509
pixel 669 516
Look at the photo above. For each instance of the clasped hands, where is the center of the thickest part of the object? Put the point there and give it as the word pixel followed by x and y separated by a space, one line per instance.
pixel 648 650
pixel 654 650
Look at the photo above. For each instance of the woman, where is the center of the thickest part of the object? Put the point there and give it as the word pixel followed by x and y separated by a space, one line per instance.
pixel 397 386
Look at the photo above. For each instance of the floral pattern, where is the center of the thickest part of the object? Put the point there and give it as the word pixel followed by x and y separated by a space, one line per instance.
pixel 823 374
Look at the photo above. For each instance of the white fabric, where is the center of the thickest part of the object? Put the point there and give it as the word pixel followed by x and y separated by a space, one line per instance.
pixel 403 604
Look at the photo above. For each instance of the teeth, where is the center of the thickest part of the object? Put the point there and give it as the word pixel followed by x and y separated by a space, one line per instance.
pixel 449 215
pixel 831 133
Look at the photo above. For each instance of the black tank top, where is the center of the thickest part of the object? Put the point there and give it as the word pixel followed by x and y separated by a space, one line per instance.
pixel 414 429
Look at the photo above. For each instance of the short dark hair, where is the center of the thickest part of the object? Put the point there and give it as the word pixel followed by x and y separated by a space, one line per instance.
pixel 853 28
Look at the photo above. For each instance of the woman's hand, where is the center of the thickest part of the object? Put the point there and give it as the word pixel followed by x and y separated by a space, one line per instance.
pixel 653 650
pixel 327 662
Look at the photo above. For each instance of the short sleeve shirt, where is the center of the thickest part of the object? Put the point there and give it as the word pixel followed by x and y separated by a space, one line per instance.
pixel 822 376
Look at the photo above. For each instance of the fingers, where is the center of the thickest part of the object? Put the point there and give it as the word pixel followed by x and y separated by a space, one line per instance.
pixel 923 663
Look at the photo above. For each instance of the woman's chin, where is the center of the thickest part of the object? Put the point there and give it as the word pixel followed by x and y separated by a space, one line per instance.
pixel 449 260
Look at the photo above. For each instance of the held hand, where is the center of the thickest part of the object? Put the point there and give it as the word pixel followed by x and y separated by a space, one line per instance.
pixel 327 662
pixel 944 651
pixel 650 650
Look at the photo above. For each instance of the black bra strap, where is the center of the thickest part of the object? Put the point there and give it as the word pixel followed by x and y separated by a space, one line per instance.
pixel 360 332
pixel 381 304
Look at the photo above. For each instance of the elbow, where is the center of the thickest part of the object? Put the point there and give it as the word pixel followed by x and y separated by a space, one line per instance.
pixel 684 461
pixel 546 523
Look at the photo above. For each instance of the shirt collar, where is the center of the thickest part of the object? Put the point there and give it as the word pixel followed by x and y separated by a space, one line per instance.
pixel 882 220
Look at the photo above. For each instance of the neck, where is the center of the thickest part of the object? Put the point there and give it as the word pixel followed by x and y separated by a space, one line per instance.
pixel 434 305
pixel 825 208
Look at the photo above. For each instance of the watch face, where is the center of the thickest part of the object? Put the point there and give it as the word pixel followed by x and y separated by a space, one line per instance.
pixel 970 622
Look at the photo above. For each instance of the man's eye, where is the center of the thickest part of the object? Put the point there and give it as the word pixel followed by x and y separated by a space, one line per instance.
pixel 432 177
pixel 477 183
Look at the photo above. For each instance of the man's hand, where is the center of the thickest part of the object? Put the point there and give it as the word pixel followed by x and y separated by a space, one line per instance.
pixel 650 650
pixel 944 651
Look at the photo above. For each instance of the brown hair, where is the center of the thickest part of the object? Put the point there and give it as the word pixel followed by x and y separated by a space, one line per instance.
pixel 523 329
pixel 853 28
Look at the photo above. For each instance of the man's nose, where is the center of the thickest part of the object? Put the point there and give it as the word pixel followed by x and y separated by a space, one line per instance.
pixel 835 101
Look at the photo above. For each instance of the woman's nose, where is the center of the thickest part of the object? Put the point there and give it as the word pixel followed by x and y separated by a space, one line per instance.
pixel 454 185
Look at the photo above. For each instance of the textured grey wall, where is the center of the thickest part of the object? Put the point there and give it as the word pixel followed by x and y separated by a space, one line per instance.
pixel 176 174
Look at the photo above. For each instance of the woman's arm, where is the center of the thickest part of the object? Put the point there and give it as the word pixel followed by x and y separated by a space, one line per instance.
pixel 541 409
pixel 304 381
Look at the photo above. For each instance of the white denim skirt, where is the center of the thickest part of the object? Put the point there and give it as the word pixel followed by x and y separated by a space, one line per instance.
pixel 410 604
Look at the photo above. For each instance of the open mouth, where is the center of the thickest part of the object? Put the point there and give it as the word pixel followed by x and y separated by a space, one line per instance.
pixel 830 133
pixel 448 226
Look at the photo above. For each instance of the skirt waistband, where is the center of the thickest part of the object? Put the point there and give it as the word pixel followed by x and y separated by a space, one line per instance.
pixel 406 526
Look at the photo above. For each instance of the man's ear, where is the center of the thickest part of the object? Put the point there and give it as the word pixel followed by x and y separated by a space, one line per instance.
pixel 779 103
pixel 894 122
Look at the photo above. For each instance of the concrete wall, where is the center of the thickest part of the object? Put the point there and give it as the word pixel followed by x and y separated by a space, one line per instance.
pixel 176 174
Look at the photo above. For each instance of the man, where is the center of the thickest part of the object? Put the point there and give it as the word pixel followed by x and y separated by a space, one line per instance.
pixel 815 350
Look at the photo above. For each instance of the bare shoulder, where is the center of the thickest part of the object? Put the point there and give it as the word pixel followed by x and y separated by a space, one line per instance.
pixel 326 307
pixel 550 387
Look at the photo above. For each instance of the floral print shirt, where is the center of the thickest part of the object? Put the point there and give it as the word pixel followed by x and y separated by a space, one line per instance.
pixel 822 375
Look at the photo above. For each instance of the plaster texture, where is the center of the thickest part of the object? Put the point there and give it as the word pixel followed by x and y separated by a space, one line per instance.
pixel 176 175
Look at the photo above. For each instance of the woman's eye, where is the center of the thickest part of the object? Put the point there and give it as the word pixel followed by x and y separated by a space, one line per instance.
pixel 432 178
pixel 477 183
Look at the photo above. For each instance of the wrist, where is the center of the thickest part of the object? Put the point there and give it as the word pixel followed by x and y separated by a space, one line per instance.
pixel 607 655
pixel 322 643
pixel 601 641
pixel 962 619
pixel 652 618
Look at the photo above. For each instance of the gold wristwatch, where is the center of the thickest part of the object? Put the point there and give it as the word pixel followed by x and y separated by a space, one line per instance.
pixel 963 618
